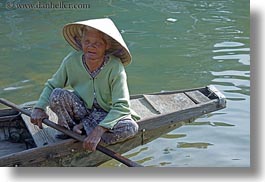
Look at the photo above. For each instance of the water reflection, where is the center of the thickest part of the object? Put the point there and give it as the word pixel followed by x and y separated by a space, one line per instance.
pixel 231 53
pixel 168 150
pixel 173 136
pixel 24 84
pixel 242 58
pixel 228 44
pixel 210 124
pixel 199 145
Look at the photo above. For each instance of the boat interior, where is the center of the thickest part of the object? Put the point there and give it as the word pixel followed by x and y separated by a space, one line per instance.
pixel 14 135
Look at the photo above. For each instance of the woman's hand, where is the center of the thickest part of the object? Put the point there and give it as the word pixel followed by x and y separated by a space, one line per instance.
pixel 77 128
pixel 92 140
pixel 37 116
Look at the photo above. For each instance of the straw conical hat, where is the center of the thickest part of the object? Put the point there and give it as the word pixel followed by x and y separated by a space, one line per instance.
pixel 72 33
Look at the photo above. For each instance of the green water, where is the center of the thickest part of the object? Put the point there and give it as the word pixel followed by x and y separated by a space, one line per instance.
pixel 174 44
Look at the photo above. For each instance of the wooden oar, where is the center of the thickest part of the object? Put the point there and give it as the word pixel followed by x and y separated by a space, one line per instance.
pixel 76 136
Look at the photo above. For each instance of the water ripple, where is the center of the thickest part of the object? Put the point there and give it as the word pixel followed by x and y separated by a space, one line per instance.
pixel 242 58
pixel 199 145
pixel 228 44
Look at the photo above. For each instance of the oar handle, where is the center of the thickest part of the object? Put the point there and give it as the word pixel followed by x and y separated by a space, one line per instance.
pixel 76 136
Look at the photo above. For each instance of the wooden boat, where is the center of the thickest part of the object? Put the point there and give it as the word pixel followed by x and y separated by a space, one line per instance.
pixel 23 144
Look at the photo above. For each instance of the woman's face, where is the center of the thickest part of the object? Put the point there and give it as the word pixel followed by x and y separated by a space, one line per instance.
pixel 93 45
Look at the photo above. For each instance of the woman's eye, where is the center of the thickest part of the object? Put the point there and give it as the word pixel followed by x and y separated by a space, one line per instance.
pixel 98 44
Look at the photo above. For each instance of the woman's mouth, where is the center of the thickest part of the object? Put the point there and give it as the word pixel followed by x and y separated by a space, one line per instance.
pixel 91 52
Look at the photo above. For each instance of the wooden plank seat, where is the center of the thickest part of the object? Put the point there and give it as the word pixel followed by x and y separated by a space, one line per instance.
pixel 169 103
pixel 197 96
pixel 143 108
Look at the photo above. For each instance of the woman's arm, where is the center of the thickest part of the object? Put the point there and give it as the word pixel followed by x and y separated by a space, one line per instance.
pixel 120 99
pixel 58 80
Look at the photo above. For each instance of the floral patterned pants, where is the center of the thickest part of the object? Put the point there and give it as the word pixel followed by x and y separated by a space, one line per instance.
pixel 71 111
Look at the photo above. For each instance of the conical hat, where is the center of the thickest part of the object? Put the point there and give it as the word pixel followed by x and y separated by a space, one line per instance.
pixel 72 34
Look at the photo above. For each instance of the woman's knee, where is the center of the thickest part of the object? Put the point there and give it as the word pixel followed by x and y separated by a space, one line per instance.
pixel 56 97
pixel 124 130
pixel 133 127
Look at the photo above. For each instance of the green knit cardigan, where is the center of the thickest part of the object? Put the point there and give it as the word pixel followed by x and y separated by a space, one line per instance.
pixel 110 87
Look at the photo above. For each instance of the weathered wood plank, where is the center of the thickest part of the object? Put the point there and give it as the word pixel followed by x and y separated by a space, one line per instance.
pixel 170 92
pixel 43 136
pixel 8 112
pixel 197 96
pixel 70 153
pixel 142 108
pixel 169 103
pixel 3 134
pixel 76 156
pixel 8 115
pixel 40 154
pixel 7 147
pixel 176 116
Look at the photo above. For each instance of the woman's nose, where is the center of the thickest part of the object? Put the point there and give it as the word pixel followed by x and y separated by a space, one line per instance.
pixel 91 45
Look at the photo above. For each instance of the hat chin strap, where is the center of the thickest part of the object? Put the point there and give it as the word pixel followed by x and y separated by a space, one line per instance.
pixel 116 53
pixel 77 41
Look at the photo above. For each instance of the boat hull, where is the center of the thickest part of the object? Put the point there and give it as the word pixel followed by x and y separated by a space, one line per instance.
pixel 160 112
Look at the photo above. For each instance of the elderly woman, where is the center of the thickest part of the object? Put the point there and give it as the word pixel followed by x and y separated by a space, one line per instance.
pixel 99 103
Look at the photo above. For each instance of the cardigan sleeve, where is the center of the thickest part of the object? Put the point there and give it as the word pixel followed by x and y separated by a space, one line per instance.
pixel 58 80
pixel 120 99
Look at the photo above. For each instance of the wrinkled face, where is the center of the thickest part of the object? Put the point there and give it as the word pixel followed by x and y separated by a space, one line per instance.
pixel 93 45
